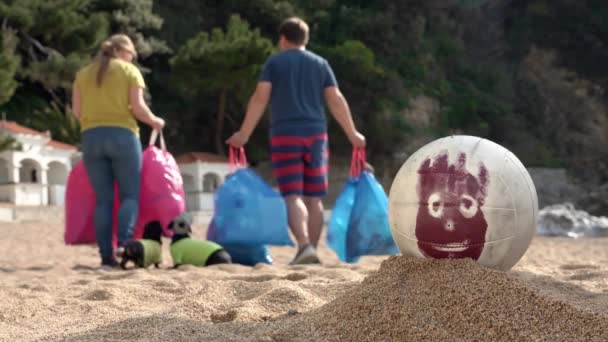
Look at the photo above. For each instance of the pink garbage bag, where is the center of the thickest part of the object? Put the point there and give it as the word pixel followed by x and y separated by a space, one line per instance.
pixel 162 196
pixel 80 209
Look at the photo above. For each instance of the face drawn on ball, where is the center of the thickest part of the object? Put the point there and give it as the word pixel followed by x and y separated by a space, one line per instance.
pixel 450 221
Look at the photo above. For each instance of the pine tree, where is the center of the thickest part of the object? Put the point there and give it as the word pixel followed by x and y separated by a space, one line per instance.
pixel 9 63
pixel 52 40
pixel 222 64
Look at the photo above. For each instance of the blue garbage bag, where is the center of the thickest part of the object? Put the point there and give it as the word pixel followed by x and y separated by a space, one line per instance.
pixel 249 212
pixel 359 221
pixel 249 255
pixel 368 228
pixel 340 217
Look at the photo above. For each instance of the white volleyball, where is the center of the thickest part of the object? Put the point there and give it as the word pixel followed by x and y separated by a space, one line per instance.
pixel 464 196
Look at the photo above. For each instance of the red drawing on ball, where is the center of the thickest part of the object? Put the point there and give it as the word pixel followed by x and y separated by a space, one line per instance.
pixel 450 221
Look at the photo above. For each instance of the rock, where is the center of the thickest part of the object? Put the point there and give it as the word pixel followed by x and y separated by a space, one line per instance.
pixel 565 220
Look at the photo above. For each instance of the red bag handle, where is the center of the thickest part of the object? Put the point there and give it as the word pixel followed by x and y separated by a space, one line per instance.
pixel 357 162
pixel 237 158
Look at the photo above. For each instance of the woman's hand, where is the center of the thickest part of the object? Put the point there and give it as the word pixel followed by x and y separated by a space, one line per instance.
pixel 157 123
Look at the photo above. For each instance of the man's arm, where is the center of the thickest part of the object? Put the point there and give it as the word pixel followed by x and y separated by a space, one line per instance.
pixel 340 110
pixel 255 109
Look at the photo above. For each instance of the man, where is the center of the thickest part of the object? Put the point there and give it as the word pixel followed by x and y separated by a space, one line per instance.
pixel 295 81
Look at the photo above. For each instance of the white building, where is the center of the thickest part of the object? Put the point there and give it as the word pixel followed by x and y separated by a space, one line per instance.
pixel 202 173
pixel 37 172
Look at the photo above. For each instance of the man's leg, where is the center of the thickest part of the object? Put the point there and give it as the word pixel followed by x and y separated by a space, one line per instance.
pixel 298 219
pixel 314 206
pixel 288 167
pixel 298 222
pixel 315 185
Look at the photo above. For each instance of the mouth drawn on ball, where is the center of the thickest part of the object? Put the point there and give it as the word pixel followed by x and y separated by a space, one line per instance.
pixel 453 247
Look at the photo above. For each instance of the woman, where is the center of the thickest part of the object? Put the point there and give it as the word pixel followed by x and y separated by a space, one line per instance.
pixel 107 97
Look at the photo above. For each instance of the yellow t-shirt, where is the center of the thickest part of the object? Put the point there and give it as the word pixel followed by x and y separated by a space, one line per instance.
pixel 108 104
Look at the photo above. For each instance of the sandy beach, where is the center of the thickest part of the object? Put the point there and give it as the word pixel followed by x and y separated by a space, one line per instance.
pixel 53 292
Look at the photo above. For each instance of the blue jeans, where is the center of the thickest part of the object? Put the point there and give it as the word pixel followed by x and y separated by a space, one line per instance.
pixel 113 154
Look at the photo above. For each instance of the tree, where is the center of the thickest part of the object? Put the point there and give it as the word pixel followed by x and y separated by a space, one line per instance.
pixel 135 18
pixel 9 63
pixel 63 126
pixel 222 64
pixel 8 143
pixel 53 39
pixel 366 85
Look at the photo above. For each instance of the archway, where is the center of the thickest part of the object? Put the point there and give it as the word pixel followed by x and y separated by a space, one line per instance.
pixel 188 182
pixel 29 172
pixel 57 177
pixel 211 182
pixel 4 171
pixel 57 174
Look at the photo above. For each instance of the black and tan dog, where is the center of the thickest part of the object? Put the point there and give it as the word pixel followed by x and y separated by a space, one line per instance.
pixel 188 251
pixel 145 251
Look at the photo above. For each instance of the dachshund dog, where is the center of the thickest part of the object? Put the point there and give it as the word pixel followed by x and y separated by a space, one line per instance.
pixel 185 250
pixel 145 251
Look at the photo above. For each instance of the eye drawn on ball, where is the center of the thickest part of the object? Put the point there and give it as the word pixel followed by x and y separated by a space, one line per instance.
pixel 468 206
pixel 435 205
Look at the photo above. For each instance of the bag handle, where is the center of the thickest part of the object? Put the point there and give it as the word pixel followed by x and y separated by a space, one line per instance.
pixel 357 162
pixel 153 136
pixel 237 158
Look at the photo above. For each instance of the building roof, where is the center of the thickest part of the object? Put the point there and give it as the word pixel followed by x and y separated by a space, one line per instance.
pixel 16 128
pixel 204 157
pixel 61 146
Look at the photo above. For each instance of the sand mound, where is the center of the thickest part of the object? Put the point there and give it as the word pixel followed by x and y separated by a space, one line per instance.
pixel 53 292
pixel 415 299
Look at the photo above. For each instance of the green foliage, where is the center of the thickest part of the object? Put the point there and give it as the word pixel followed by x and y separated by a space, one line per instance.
pixel 52 40
pixel 471 3
pixel 222 60
pixel 55 74
pixel 578 29
pixel 8 143
pixel 24 102
pixel 364 81
pixel 206 60
pixel 56 38
pixel 134 18
pixel 221 64
pixel 9 62
pixel 63 126
pixel 356 58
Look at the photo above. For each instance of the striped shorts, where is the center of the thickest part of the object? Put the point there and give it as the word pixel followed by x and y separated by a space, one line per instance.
pixel 300 164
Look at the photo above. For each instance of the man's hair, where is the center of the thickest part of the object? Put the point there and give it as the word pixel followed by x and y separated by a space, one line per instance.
pixel 295 30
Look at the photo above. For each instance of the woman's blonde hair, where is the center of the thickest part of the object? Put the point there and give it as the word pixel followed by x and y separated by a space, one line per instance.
pixel 109 48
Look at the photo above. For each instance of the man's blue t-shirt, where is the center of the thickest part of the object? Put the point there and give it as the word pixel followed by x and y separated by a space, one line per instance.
pixel 298 79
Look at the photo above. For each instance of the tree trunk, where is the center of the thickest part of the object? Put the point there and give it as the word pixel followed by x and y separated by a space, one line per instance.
pixel 219 125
